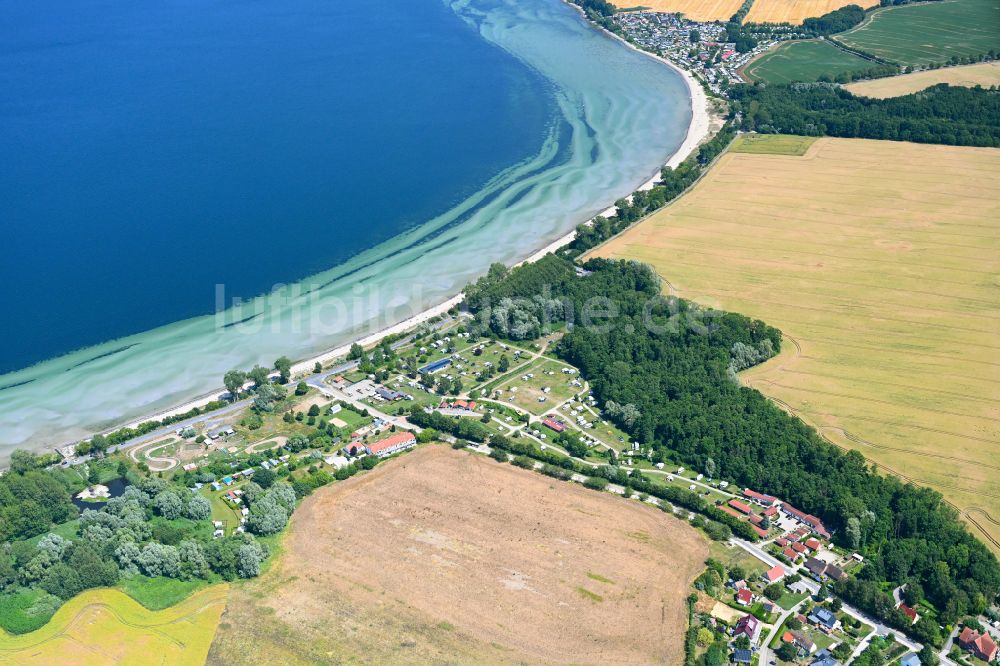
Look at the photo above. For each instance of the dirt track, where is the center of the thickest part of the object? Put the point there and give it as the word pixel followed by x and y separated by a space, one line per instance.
pixel 446 557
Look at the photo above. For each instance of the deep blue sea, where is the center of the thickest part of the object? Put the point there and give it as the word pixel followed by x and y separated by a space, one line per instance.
pixel 153 149
pixel 341 166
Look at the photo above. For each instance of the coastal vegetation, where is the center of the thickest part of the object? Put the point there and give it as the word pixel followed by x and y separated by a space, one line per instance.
pixel 671 360
pixel 672 183
pixel 877 268
pixel 942 114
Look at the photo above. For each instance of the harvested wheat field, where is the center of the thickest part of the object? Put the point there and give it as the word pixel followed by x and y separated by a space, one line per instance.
pixel 696 10
pixel 444 556
pixel 984 74
pixel 107 627
pixel 880 262
pixel 795 11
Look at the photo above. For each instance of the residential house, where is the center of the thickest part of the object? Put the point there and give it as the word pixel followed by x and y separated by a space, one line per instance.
pixel 824 619
pixel 812 521
pixel 834 572
pixel 732 512
pixel 742 657
pixel 774 574
pixel 353 449
pixel 740 506
pixel 801 642
pixel 824 658
pixel 759 498
pixel 771 511
pixel 790 554
pixel 909 612
pixel 388 394
pixel 393 444
pixel 909 659
pixel 981 645
pixel 744 597
pixel 748 626
pixel 812 544
pixel 816 567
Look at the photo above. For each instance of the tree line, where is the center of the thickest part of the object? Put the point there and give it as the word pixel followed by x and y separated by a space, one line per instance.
pixel 838 20
pixel 951 115
pixel 672 183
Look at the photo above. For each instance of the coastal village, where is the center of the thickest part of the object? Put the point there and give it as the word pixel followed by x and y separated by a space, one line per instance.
pixel 699 47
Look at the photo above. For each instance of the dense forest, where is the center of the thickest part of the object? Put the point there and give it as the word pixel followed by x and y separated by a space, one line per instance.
pixel 836 21
pixel 952 115
pixel 672 363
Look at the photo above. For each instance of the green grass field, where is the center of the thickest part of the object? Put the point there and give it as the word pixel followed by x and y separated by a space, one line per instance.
pixel 160 592
pixel 772 144
pixel 803 61
pixel 26 610
pixel 530 394
pixel 929 33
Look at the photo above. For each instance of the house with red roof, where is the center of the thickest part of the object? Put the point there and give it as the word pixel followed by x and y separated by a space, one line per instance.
pixel 798 547
pixel 981 645
pixel 771 511
pixel 744 597
pixel 740 506
pixel 774 574
pixel 748 626
pixel 731 512
pixel 909 612
pixel 812 521
pixel 759 498
pixel 755 519
pixel 790 554
pixel 783 542
pixel 761 532
pixel 812 544
pixel 394 443
pixel 552 424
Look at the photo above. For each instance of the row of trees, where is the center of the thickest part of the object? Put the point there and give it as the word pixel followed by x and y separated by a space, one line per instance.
pixel 952 115
pixel 671 360
pixel 673 182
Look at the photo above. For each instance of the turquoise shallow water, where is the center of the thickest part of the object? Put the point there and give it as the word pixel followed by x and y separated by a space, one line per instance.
pixel 583 121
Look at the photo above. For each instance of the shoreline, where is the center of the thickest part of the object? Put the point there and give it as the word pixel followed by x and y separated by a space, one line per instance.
pixel 698 129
